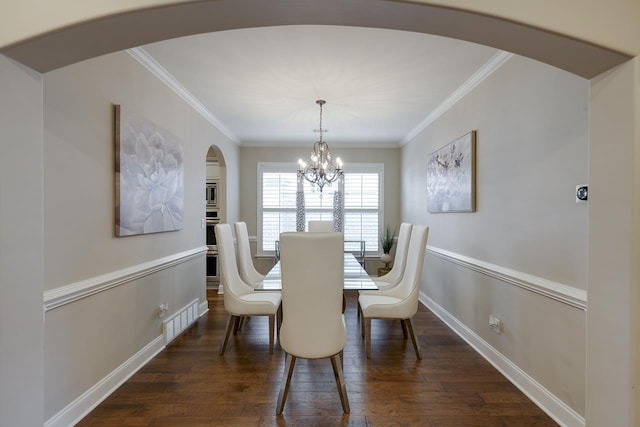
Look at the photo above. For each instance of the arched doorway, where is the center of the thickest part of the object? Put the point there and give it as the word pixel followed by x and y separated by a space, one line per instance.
pixel 106 30
pixel 101 29
pixel 215 202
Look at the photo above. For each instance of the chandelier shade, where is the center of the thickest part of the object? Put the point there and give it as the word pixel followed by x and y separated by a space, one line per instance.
pixel 322 169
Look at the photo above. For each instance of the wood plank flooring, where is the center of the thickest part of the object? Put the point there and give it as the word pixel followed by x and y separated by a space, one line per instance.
pixel 188 384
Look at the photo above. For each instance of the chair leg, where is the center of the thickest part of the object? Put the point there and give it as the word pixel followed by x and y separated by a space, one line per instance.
pixel 230 322
pixel 414 339
pixel 272 321
pixel 241 322
pixel 284 385
pixel 279 321
pixel 236 324
pixel 342 388
pixel 367 335
pixel 404 329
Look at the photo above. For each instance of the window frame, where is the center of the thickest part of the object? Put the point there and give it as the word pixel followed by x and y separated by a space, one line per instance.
pixel 288 167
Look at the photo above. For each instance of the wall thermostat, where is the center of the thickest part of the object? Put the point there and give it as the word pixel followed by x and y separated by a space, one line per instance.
pixel 582 193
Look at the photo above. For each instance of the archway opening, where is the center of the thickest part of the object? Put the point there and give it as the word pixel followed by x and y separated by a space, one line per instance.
pixel 216 212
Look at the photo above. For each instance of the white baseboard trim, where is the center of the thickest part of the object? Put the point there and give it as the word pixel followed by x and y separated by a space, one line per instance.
pixel 85 403
pixel 558 291
pixel 58 297
pixel 203 308
pixel 547 401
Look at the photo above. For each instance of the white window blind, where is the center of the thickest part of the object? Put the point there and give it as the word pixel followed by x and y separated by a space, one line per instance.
pixel 277 204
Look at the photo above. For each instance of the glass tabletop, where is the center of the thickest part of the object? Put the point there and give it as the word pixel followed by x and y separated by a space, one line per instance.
pixel 355 277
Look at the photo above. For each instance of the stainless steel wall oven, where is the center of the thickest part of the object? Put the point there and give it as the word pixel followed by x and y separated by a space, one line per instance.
pixel 211 195
pixel 213 272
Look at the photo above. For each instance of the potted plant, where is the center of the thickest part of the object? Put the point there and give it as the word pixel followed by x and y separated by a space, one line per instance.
pixel 386 241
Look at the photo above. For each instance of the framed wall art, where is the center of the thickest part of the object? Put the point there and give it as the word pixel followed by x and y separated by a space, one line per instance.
pixel 149 176
pixel 451 176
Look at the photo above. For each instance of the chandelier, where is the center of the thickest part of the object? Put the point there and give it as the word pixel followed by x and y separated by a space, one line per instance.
pixel 323 169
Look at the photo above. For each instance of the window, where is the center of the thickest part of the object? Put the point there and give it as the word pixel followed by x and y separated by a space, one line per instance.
pixel 277 184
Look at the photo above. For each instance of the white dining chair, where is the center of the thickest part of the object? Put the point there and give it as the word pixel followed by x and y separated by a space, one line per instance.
pixel 240 300
pixel 392 278
pixel 248 272
pixel 313 326
pixel 321 226
pixel 400 301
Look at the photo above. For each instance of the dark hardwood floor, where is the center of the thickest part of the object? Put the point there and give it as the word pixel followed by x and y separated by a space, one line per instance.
pixel 188 384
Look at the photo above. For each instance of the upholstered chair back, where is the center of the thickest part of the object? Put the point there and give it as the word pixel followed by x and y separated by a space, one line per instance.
pixel 248 272
pixel 400 261
pixel 408 288
pixel 312 279
pixel 320 226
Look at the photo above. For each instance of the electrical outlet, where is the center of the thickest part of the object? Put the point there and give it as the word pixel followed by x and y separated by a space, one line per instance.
pixel 203 224
pixel 496 324
pixel 162 310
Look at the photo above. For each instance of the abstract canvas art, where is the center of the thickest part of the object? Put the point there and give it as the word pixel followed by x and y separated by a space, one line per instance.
pixel 451 176
pixel 149 176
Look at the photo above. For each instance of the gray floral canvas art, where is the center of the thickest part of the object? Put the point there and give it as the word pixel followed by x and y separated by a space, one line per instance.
pixel 149 176
pixel 451 176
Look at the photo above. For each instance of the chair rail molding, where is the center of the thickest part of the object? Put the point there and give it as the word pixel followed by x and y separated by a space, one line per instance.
pixel 557 291
pixel 58 297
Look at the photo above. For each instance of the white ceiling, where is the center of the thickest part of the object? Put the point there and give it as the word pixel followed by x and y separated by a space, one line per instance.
pixel 261 84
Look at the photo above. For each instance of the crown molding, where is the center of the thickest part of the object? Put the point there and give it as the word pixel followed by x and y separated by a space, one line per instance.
pixel 335 144
pixel 143 57
pixel 478 77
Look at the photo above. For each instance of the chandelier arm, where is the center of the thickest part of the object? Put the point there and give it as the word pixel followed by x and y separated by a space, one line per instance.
pixel 323 169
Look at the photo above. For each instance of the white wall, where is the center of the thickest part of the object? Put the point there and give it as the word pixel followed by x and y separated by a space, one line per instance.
pixel 21 254
pixel 87 339
pixel 532 150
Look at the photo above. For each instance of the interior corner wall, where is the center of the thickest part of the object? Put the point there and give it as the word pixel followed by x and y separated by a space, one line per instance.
pixel 21 237
pixel 87 339
pixel 532 151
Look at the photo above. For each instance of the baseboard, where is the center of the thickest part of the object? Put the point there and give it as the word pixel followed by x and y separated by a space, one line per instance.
pixel 85 403
pixel 547 401
pixel 203 308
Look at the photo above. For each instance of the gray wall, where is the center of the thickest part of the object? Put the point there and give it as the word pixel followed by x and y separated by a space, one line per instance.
pixel 87 339
pixel 21 253
pixel 251 156
pixel 532 150
pixel 614 271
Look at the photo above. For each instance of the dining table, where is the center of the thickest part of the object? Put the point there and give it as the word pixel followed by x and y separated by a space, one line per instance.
pixel 355 277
